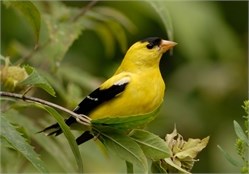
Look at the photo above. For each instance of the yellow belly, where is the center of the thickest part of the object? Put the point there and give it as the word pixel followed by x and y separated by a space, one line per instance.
pixel 142 95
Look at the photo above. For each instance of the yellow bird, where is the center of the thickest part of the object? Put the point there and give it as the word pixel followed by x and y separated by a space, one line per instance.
pixel 135 88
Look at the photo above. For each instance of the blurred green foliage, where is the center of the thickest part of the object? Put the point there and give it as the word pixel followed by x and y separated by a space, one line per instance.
pixel 206 75
pixel 242 143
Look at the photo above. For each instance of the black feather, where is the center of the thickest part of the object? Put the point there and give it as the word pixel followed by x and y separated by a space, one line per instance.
pixel 86 106
pixel 98 97
pixel 152 42
pixel 84 137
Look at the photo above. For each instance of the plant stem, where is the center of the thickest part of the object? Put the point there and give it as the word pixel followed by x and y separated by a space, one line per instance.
pixel 84 10
pixel 83 119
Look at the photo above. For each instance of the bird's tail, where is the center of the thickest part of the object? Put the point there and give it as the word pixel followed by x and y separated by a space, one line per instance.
pixel 55 129
pixel 84 137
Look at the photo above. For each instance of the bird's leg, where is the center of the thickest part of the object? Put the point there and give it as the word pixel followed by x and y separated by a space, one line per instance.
pixel 83 120
pixel 96 137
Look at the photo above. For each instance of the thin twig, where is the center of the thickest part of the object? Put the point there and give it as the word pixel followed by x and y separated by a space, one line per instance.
pixel 27 90
pixel 29 55
pixel 34 51
pixel 83 119
pixel 84 10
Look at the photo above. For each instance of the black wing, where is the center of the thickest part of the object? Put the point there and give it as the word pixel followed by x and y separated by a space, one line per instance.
pixel 98 97
pixel 88 104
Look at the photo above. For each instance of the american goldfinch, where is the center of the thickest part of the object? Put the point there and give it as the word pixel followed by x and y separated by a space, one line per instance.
pixel 135 88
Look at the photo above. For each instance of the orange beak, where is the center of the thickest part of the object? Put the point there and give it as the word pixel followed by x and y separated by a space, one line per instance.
pixel 166 45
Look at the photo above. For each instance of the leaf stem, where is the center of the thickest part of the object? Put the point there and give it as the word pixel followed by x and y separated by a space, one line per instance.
pixel 34 51
pixel 84 10
pixel 83 119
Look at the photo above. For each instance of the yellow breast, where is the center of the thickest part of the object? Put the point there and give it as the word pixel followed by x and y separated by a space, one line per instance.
pixel 142 95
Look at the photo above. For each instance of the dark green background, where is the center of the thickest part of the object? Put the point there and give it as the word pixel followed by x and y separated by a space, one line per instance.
pixel 206 75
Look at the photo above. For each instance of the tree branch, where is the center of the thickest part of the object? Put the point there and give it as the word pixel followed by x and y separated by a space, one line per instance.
pixel 83 119
pixel 84 10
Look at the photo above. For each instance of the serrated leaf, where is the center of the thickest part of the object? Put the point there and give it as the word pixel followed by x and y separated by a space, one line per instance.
pixel 127 122
pixel 152 145
pixel 229 157
pixel 58 35
pixel 51 147
pixel 68 135
pixel 245 106
pixel 30 12
pixel 239 132
pixel 5 143
pixel 22 131
pixel 56 82
pixel 13 137
pixel 35 79
pixel 123 146
pixel 62 32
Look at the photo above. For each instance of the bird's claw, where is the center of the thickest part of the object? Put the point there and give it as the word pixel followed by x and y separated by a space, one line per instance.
pixel 83 120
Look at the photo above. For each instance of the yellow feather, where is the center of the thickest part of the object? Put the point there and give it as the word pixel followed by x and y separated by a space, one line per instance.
pixel 140 81
pixel 145 90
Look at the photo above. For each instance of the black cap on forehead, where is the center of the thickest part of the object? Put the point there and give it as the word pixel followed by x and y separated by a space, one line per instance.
pixel 153 41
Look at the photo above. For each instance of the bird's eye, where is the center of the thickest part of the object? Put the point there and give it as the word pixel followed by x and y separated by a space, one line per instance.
pixel 150 46
pixel 152 42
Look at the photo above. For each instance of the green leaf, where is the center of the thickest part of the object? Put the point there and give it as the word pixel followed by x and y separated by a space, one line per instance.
pixel 129 167
pixel 36 80
pixel 51 147
pixel 239 132
pixel 106 37
pixel 14 138
pixel 156 167
pixel 30 12
pixel 127 122
pixel 152 145
pixel 117 16
pixel 68 135
pixel 171 163
pixel 110 24
pixel 229 157
pixel 164 14
pixel 78 76
pixel 61 32
pixel 119 34
pixel 123 146
pixel 245 106
pixel 56 83
pixel 116 23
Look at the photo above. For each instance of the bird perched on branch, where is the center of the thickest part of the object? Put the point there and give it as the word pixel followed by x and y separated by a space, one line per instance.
pixel 135 88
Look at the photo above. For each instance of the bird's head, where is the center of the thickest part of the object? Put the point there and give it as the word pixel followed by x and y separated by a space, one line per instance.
pixel 147 52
